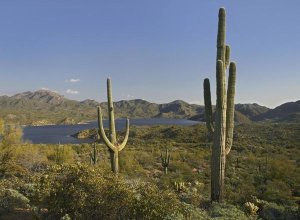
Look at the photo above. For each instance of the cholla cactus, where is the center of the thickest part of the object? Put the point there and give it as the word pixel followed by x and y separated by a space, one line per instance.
pixel 66 217
pixel 165 160
pixel 251 208
pixel 179 186
pixel 221 129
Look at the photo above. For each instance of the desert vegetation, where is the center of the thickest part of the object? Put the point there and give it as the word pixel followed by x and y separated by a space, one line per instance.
pixel 165 172
pixel 58 181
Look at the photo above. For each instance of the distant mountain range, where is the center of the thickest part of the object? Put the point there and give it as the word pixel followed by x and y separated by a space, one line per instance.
pixel 47 107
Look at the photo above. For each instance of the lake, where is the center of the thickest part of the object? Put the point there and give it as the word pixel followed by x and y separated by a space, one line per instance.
pixel 54 134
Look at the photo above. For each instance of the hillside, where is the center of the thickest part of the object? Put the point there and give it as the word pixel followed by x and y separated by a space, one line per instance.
pixel 48 107
pixel 32 107
pixel 251 110
pixel 287 112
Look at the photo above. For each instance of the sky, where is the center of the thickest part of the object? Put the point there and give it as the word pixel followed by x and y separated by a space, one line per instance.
pixel 158 50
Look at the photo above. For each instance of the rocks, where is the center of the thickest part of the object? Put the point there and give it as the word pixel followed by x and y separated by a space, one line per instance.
pixel 67 121
pixel 41 123
pixel 87 133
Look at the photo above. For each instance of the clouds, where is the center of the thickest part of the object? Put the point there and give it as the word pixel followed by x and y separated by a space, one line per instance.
pixel 130 96
pixel 48 89
pixel 73 92
pixel 72 80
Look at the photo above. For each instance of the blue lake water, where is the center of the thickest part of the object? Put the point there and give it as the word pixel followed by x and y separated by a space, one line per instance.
pixel 54 134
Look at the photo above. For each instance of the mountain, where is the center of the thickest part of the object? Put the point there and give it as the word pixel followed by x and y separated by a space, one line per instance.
pixel 48 107
pixel 287 112
pixel 45 96
pixel 42 107
pixel 180 109
pixel 251 110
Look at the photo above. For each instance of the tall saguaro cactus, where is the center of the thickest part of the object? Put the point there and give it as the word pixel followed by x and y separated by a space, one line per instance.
pixel 111 142
pixel 222 128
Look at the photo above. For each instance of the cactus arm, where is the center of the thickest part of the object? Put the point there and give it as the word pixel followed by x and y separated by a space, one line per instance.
pixel 120 147
pixel 208 107
pixel 162 159
pixel 230 107
pixel 102 132
pixel 227 56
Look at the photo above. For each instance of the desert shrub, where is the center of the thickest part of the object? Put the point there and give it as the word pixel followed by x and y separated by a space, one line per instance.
pixel 278 191
pixel 193 193
pixel 81 192
pixel 10 137
pixel 145 159
pixel 226 211
pixel 28 189
pixel 272 211
pixel 31 157
pixel 85 192
pixel 2 127
pixel 129 164
pixel 189 212
pixel 8 164
pixel 60 154
pixel 150 203
pixel 11 199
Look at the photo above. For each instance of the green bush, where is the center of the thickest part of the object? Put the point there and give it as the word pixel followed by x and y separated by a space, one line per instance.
pixel 223 211
pixel 11 199
pixel 85 192
pixel 273 211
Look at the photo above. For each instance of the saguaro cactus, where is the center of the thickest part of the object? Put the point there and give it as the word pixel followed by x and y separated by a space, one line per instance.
pixel 222 129
pixel 165 160
pixel 93 155
pixel 111 142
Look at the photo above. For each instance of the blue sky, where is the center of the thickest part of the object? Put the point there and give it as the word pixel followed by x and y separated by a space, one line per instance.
pixel 158 50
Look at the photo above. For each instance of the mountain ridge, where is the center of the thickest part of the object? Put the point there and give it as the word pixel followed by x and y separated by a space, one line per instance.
pixel 45 105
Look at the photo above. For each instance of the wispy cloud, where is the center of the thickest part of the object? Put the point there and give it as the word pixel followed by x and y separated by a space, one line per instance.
pixel 73 92
pixel 48 89
pixel 73 80
pixel 130 96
